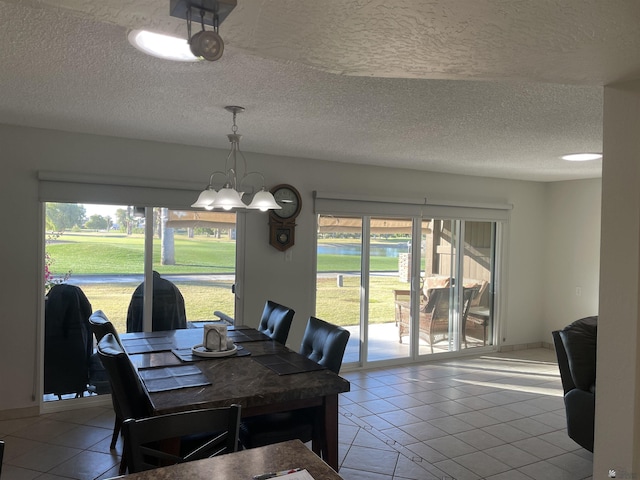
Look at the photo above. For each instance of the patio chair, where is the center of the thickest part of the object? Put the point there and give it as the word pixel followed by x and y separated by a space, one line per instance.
pixel 68 343
pixel 434 315
pixel 168 307
pixel 325 344
pixel 198 434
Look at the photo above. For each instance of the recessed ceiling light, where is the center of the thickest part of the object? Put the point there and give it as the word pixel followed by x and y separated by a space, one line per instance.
pixel 162 46
pixel 581 157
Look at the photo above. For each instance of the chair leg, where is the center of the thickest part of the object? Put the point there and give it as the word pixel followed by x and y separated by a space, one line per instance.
pixel 116 432
pixel 123 464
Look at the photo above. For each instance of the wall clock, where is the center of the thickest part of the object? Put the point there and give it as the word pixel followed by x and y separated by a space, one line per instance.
pixel 282 222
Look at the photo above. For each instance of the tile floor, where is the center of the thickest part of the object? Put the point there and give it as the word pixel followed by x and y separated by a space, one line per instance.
pixel 496 416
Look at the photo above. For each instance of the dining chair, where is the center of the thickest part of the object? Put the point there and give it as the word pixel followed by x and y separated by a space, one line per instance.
pixel 196 434
pixel 276 321
pixel 100 326
pixel 325 344
pixel 128 392
pixel 68 343
pixel 1 455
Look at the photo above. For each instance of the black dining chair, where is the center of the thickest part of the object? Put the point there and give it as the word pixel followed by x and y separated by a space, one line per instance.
pixel 276 321
pixel 325 344
pixel 127 389
pixel 1 455
pixel 204 434
pixel 100 326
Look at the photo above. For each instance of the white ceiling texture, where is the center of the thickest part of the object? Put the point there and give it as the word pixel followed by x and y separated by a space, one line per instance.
pixel 497 88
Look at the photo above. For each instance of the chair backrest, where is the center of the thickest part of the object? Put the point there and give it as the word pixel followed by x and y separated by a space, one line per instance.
pixel 211 431
pixel 276 321
pixel 1 454
pixel 100 326
pixel 68 342
pixel 440 316
pixel 168 307
pixel 576 347
pixel 468 294
pixel 479 297
pixel 129 394
pixel 324 343
pixel 563 363
pixel 439 303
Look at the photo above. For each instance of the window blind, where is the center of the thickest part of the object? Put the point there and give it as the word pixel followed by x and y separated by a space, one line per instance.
pixel 67 187
pixel 350 205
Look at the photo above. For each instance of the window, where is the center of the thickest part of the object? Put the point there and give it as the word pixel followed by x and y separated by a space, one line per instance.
pixel 105 250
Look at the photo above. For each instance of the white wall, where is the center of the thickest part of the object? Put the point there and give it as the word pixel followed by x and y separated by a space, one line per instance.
pixel 617 429
pixel 268 275
pixel 572 247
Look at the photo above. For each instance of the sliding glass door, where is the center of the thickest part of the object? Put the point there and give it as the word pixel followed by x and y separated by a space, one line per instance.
pixel 406 287
pixel 103 250
pixel 456 304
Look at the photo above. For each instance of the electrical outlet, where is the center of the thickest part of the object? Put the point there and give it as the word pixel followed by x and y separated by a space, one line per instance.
pixel 578 291
pixel 288 255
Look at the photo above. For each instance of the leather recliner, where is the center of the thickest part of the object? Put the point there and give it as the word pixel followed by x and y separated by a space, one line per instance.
pixel 576 351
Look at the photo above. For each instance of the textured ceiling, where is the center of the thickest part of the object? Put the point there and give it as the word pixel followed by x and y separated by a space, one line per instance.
pixel 496 88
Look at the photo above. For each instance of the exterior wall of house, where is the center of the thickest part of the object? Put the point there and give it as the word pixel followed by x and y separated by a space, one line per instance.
pixel 268 273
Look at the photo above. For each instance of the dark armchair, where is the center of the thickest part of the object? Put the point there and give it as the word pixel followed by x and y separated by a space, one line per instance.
pixel 576 351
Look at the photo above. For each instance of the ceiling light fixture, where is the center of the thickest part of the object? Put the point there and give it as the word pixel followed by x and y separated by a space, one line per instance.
pixel 230 195
pixel 581 157
pixel 205 44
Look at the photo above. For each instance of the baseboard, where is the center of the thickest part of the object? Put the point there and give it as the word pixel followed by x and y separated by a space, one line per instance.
pixel 72 404
pixel 525 346
pixel 12 414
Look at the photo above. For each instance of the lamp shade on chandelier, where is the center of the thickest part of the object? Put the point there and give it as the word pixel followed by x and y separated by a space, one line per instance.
pixel 233 187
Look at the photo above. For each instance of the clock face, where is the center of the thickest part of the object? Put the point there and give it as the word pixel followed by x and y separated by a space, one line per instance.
pixel 289 199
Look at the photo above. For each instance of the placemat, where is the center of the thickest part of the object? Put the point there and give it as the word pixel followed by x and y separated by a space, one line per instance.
pixel 246 335
pixel 288 363
pixel 146 345
pixel 185 354
pixel 172 378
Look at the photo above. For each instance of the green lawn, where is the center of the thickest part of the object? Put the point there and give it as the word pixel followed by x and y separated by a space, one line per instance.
pixel 90 253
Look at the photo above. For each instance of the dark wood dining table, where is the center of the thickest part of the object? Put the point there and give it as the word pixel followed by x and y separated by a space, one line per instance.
pixel 245 465
pixel 263 376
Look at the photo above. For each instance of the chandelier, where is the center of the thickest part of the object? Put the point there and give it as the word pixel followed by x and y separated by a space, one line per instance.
pixel 230 195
